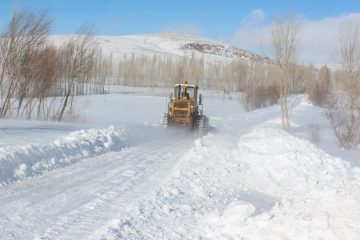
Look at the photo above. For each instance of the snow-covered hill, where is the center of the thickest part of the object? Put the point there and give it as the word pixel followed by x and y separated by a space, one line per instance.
pixel 168 44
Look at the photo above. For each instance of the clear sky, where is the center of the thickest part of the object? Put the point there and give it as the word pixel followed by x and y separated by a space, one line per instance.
pixel 218 19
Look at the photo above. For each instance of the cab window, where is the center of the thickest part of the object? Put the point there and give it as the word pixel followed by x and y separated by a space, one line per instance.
pixel 190 91
pixel 177 92
pixel 182 91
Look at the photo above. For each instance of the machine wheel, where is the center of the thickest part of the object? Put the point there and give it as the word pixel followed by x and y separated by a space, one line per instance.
pixel 164 119
pixel 202 125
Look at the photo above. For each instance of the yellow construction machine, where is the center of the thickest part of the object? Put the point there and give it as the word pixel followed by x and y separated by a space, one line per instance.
pixel 185 109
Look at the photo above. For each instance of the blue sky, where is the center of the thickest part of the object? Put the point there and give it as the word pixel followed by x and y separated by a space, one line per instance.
pixel 238 22
pixel 211 18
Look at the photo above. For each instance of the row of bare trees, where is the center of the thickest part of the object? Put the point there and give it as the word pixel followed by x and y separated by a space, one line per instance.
pixel 237 75
pixel 344 100
pixel 38 79
pixel 339 90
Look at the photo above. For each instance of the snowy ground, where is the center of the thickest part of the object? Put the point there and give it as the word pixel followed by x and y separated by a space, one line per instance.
pixel 115 174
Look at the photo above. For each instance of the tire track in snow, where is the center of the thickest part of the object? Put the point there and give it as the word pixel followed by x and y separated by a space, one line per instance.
pixel 74 202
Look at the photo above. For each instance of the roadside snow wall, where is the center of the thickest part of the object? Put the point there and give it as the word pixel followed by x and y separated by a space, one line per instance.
pixel 271 185
pixel 20 162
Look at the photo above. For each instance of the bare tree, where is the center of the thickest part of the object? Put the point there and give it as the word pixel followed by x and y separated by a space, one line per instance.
pixel 25 33
pixel 79 59
pixel 319 88
pixel 284 36
pixel 344 107
pixel 350 59
pixel 44 88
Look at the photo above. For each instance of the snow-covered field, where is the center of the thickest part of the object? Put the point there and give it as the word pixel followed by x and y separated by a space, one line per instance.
pixel 116 174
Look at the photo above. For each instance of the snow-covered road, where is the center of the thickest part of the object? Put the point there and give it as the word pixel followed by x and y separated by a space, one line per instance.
pixel 78 201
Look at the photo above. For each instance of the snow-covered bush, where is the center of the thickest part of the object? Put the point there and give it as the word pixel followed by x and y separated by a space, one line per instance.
pixel 344 120
pixel 261 96
pixel 319 89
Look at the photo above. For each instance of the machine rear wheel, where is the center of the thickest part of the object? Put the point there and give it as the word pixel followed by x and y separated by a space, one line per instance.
pixel 202 125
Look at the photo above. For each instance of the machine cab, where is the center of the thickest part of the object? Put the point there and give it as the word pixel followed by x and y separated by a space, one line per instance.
pixel 185 92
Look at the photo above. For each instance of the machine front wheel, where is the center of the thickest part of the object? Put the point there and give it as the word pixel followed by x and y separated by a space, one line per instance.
pixel 164 119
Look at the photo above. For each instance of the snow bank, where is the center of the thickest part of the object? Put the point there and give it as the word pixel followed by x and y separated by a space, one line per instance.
pixel 19 162
pixel 291 165
pixel 319 193
pixel 272 185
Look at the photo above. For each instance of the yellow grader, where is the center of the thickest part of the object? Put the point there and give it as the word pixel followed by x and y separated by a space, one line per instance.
pixel 185 109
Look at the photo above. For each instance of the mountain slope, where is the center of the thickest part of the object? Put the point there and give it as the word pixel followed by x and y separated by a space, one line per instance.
pixel 168 44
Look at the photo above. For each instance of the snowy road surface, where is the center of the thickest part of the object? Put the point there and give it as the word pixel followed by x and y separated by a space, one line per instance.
pixel 246 180
pixel 77 201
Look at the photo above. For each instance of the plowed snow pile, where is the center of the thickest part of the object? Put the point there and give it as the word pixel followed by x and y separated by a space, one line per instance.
pixel 30 160
pixel 272 185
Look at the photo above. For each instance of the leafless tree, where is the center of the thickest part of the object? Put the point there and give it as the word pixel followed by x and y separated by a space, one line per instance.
pixel 350 59
pixel 284 37
pixel 318 88
pixel 25 33
pixel 344 110
pixel 78 59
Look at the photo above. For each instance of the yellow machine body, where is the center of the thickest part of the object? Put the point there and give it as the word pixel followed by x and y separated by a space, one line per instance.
pixel 183 106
